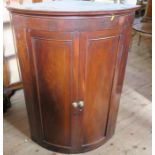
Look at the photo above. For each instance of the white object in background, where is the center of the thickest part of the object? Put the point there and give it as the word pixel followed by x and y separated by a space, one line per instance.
pixel 134 2
pixel 6 17
pixel 105 1
pixel 117 1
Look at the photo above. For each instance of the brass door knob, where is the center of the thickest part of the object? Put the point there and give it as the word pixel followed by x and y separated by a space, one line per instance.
pixel 75 104
pixel 78 105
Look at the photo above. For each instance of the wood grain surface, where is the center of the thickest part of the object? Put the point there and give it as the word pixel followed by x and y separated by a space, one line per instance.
pixel 66 61
pixel 133 130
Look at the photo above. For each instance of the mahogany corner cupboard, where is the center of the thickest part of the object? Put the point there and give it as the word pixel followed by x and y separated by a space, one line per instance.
pixel 72 56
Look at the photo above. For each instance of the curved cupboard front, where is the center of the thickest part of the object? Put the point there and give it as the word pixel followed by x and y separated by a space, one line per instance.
pixel 73 66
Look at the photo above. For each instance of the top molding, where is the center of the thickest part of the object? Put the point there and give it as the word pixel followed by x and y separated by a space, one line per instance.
pixel 69 8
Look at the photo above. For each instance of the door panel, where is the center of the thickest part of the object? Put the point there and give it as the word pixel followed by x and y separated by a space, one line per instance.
pixel 99 68
pixel 51 72
pixel 60 65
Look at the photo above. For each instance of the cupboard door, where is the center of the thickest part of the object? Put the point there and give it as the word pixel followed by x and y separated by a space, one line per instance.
pixel 50 55
pixel 98 72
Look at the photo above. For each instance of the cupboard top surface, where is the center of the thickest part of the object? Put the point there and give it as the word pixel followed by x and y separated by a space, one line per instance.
pixel 72 8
